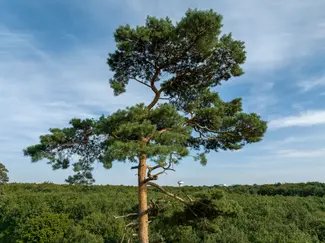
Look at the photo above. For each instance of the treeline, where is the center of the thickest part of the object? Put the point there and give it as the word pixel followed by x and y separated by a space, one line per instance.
pixel 63 213
pixel 316 189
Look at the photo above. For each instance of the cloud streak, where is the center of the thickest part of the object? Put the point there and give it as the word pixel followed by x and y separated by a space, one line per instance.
pixel 312 84
pixel 294 153
pixel 304 119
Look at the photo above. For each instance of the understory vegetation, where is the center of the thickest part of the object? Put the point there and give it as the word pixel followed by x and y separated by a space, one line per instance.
pixel 65 213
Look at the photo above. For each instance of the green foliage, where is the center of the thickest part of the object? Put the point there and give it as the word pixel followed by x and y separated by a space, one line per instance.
pixel 222 125
pixel 192 53
pixel 3 174
pixel 44 228
pixel 104 225
pixel 80 140
pixel 55 228
pixel 79 234
pixel 202 213
pixel 127 128
pixel 63 213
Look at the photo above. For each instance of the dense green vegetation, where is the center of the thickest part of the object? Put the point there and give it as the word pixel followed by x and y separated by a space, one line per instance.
pixel 287 189
pixel 63 213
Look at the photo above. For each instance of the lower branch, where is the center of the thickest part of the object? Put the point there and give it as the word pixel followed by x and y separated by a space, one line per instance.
pixel 141 82
pixel 125 231
pixel 126 216
pixel 168 193
pixel 190 198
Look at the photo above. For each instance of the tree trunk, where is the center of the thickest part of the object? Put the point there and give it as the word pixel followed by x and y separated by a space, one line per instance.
pixel 142 197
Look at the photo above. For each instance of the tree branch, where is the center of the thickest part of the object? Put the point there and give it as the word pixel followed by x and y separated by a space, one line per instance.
pixel 147 139
pixel 168 193
pixel 125 230
pixel 190 198
pixel 154 177
pixel 141 82
pixel 154 89
pixel 202 127
pixel 196 126
pixel 164 130
pixel 126 216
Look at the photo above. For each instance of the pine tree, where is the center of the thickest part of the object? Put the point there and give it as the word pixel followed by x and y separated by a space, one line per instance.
pixel 181 64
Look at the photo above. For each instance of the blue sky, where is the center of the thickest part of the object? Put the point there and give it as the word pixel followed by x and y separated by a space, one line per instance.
pixel 53 67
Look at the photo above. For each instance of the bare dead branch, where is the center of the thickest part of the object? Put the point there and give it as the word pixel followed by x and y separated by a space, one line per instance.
pixel 151 177
pixel 154 168
pixel 130 224
pixel 126 216
pixel 168 193
pixel 126 230
pixel 190 198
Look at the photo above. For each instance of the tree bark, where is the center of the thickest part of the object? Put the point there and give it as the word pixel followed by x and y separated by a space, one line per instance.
pixel 142 197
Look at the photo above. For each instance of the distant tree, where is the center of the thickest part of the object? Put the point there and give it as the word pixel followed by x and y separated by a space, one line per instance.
pixel 3 174
pixel 181 64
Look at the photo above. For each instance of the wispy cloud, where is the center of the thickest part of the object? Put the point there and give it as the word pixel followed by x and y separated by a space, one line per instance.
pixel 294 153
pixel 307 118
pixel 308 85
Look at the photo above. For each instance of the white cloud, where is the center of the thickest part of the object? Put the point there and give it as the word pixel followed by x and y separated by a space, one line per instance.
pixel 307 118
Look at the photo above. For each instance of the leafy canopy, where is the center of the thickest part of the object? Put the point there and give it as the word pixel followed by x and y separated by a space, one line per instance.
pixel 180 63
